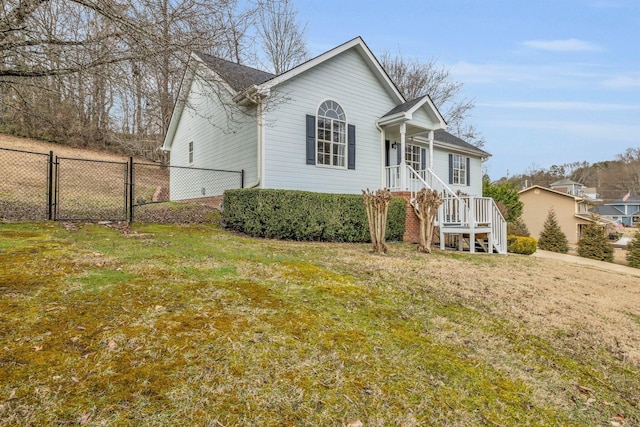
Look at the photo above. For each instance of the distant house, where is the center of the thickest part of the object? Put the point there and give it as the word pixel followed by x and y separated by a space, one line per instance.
pixel 627 212
pixel 568 186
pixel 571 211
pixel 334 124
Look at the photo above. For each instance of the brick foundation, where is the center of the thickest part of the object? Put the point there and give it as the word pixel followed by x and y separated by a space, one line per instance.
pixel 412 223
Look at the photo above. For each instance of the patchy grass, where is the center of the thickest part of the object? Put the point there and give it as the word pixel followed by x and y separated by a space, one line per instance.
pixel 192 325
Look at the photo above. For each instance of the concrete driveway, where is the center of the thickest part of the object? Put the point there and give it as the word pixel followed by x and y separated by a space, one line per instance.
pixel 600 265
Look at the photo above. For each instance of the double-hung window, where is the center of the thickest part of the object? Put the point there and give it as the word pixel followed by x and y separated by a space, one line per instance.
pixel 331 135
pixel 459 169
pixel 412 156
pixel 191 153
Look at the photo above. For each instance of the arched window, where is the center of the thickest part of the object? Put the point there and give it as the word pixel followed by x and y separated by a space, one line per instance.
pixel 331 142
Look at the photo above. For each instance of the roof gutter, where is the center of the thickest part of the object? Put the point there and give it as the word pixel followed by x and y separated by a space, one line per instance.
pixel 253 95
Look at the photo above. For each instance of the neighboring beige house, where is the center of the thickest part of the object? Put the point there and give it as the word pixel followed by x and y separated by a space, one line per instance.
pixel 572 212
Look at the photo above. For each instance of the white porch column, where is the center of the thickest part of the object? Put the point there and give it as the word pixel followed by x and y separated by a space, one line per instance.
pixel 431 150
pixel 384 180
pixel 403 163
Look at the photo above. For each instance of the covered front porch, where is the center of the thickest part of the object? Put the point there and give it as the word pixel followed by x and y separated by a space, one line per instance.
pixel 466 222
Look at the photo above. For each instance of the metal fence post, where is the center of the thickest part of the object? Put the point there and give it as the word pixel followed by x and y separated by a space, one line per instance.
pixel 131 195
pixel 242 179
pixel 56 190
pixel 50 187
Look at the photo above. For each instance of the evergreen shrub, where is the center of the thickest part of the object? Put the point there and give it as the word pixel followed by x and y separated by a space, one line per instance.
pixel 633 250
pixel 517 227
pixel 552 237
pixel 521 245
pixel 594 244
pixel 302 215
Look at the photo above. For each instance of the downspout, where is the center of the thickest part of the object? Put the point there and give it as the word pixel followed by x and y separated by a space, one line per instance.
pixel 383 178
pixel 259 148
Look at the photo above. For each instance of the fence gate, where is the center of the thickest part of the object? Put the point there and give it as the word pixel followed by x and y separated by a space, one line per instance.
pixel 91 190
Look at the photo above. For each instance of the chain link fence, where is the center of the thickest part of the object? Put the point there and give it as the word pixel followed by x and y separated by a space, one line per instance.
pixel 156 184
pixel 25 185
pixel 38 186
pixel 91 189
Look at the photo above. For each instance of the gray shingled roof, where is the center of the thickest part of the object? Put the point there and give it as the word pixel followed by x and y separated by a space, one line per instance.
pixel 447 138
pixel 607 210
pixel 403 108
pixel 238 76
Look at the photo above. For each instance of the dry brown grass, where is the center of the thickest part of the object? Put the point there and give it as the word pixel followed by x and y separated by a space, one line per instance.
pixel 28 144
pixel 165 325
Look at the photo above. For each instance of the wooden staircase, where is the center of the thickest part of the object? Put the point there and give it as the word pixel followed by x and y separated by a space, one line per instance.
pixel 463 218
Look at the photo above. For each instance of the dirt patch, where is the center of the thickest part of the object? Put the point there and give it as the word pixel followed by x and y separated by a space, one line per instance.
pixel 36 146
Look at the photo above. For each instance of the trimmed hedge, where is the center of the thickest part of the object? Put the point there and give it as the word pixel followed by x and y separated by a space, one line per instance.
pixel 521 245
pixel 302 215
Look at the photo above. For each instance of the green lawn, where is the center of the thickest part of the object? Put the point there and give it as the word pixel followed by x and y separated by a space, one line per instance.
pixel 193 325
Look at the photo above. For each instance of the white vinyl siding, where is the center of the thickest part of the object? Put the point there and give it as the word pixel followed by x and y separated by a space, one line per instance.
pixel 215 145
pixel 347 80
pixel 441 168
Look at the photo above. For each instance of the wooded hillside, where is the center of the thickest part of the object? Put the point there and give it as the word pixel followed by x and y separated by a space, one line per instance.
pixel 613 179
pixel 106 73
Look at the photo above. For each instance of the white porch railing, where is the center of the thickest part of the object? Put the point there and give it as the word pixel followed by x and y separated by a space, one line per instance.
pixel 392 174
pixel 456 212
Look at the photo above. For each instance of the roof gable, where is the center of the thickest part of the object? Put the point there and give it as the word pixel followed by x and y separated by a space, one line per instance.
pixel 551 191
pixel 408 107
pixel 359 46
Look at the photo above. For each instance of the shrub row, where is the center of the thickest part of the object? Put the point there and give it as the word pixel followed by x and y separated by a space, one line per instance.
pixel 301 215
pixel 521 245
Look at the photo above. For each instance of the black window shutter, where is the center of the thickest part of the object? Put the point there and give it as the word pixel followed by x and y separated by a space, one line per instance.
pixel 468 171
pixel 311 140
pixel 423 159
pixel 387 147
pixel 450 168
pixel 351 146
pixel 399 153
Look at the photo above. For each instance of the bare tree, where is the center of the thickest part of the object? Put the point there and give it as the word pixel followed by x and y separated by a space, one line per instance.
pixel 281 35
pixel 234 44
pixel 104 70
pixel 415 78
pixel 631 154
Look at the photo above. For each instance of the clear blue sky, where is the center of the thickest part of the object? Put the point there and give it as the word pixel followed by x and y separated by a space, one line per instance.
pixel 553 81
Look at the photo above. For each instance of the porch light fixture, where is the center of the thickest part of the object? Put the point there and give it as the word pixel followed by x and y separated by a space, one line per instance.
pixel 394 145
